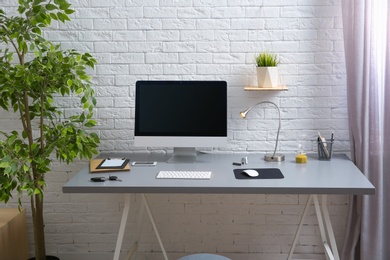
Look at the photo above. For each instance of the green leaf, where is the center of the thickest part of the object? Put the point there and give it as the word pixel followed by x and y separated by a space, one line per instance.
pixel 69 11
pixel 54 16
pixel 64 6
pixel 37 30
pixel 4 164
pixel 50 7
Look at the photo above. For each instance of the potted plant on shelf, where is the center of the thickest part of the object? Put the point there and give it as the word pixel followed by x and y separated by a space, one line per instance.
pixel 29 87
pixel 267 70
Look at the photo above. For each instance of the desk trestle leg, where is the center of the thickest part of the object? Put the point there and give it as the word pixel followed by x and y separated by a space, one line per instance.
pixel 326 229
pixel 122 228
pixel 154 226
pixel 132 253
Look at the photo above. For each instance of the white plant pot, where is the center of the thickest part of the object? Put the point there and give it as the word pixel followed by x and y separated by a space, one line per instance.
pixel 267 77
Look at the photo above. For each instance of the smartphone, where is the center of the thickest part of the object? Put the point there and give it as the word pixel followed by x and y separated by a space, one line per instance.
pixel 144 163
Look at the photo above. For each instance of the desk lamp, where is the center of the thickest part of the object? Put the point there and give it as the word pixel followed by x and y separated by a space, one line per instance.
pixel 268 157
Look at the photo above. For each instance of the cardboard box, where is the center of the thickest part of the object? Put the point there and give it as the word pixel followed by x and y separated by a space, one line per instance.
pixel 13 234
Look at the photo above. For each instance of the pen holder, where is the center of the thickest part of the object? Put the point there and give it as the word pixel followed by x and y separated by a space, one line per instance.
pixel 324 150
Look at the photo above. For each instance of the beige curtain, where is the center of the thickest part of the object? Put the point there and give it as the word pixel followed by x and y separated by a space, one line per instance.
pixel 366 27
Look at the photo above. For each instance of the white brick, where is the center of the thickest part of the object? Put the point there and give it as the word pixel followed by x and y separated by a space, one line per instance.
pixel 113 113
pixel 173 24
pixel 146 69
pixel 213 24
pixel 194 12
pixel 112 69
pixel 252 24
pixel 278 24
pixel 201 58
pixel 103 3
pixel 300 35
pixel 127 58
pixel 213 69
pixel 111 46
pixel 162 58
pixel 61 36
pixel 163 35
pixel 210 3
pixel 145 24
pixel 298 11
pixel 93 36
pixel 279 2
pixel 175 3
pixel 324 45
pixel 231 35
pixel 228 58
pixel 212 46
pixel 160 12
pixel 197 35
pixel 142 2
pixel 179 69
pixel 128 12
pixel 78 24
pixel 92 13
pixel 179 46
pixel 129 35
pixel 262 11
pixel 110 24
pixel 228 12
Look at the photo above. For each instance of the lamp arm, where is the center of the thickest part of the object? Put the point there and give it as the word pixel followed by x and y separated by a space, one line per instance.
pixel 280 121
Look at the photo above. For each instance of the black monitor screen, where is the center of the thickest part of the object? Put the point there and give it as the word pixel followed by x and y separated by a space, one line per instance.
pixel 181 108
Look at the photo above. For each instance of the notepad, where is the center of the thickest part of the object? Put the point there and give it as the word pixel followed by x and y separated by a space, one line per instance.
pixel 112 163
pixel 96 165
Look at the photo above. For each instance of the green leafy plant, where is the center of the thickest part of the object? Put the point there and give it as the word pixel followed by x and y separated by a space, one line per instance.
pixel 267 60
pixel 32 75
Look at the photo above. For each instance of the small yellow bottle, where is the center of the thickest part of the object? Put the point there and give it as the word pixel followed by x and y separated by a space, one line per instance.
pixel 301 156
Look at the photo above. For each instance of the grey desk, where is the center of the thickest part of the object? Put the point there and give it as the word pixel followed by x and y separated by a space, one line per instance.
pixel 338 176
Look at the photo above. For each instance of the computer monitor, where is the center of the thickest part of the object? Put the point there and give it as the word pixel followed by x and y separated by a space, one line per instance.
pixel 181 114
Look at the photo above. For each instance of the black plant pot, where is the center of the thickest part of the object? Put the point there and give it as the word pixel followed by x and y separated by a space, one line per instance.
pixel 48 257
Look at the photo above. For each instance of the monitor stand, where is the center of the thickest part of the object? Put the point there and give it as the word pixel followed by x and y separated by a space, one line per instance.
pixel 183 155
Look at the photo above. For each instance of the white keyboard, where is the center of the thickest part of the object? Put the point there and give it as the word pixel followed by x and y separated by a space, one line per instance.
pixel 196 175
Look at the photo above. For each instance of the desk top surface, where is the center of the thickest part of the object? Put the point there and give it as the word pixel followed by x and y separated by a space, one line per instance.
pixel 337 176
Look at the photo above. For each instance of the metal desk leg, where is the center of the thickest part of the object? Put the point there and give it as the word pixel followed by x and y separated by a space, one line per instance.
pixel 329 228
pixel 145 201
pixel 321 227
pixel 122 227
pixel 326 229
pixel 123 223
pixel 299 228
pixel 134 248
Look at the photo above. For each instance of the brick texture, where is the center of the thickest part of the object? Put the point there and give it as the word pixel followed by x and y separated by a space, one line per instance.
pixel 204 40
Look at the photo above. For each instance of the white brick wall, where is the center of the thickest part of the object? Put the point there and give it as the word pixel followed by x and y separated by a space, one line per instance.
pixel 203 39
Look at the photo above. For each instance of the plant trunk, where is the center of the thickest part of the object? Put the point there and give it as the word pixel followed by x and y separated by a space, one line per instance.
pixel 39 227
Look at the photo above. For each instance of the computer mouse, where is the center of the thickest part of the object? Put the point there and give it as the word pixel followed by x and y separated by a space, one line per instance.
pixel 251 173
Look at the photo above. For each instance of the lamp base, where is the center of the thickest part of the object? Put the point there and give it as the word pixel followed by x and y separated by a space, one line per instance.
pixel 269 157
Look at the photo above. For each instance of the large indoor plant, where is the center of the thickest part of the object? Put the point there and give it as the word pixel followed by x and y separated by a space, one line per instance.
pixel 267 70
pixel 33 74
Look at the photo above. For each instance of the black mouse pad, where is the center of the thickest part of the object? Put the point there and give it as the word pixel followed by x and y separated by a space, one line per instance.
pixel 264 173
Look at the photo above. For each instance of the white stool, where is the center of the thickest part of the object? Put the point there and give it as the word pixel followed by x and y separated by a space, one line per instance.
pixel 204 257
